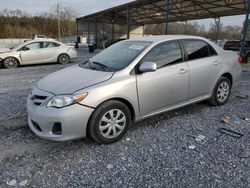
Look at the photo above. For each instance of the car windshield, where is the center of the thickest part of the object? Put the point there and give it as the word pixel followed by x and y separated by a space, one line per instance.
pixel 117 56
pixel 16 47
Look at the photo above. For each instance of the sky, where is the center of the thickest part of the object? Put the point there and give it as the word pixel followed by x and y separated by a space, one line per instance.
pixel 84 7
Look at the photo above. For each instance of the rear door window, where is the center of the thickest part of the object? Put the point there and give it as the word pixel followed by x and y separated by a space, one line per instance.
pixel 196 49
pixel 50 44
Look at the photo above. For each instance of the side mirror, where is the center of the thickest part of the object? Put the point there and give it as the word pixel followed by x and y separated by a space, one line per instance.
pixel 25 48
pixel 148 67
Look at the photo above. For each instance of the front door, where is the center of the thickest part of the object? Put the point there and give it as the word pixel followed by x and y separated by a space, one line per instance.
pixel 168 85
pixel 31 53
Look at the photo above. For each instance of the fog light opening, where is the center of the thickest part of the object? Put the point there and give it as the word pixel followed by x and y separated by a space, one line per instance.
pixel 57 129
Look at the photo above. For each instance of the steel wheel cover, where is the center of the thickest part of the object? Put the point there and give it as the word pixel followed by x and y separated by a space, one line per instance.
pixel 223 92
pixel 112 123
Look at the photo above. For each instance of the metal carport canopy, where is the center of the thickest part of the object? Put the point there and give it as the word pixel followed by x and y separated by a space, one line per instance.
pixel 143 12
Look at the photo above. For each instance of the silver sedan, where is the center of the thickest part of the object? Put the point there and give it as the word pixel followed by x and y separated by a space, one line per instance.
pixel 37 51
pixel 127 82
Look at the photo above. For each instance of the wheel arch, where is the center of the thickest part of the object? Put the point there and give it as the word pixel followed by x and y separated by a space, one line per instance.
pixel 12 57
pixel 122 100
pixel 18 60
pixel 229 76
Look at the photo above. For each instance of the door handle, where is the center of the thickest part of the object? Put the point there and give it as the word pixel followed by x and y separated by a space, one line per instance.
pixel 216 62
pixel 183 71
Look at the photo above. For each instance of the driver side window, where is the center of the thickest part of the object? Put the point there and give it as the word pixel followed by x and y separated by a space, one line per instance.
pixel 165 54
pixel 33 46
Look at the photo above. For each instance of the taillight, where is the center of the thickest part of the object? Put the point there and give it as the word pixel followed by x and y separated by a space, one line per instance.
pixel 240 59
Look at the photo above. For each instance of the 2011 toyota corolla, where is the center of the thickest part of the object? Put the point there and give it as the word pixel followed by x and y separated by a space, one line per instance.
pixel 127 82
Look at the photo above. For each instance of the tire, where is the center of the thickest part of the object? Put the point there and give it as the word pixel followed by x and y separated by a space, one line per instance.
pixel 63 59
pixel 102 123
pixel 222 91
pixel 10 63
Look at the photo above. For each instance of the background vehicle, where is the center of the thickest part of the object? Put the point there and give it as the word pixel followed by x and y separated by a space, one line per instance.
pixel 235 45
pixel 37 51
pixel 127 82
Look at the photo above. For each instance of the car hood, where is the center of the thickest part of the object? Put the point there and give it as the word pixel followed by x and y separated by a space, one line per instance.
pixel 72 79
pixel 4 50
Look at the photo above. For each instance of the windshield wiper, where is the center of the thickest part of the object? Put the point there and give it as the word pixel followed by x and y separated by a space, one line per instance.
pixel 105 67
pixel 100 64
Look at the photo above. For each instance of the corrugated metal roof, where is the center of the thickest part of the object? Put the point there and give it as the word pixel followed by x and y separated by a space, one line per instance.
pixel 154 11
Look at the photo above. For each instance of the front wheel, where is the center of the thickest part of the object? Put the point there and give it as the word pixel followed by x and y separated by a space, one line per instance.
pixel 10 63
pixel 63 59
pixel 109 122
pixel 221 92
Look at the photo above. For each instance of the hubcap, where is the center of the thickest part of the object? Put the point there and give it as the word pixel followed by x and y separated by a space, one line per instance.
pixel 63 59
pixel 223 92
pixel 11 63
pixel 112 123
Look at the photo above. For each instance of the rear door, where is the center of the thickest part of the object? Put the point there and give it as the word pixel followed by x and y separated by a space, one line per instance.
pixel 168 85
pixel 204 66
pixel 49 52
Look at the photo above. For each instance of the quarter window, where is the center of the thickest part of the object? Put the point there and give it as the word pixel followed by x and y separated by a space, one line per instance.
pixel 196 49
pixel 165 54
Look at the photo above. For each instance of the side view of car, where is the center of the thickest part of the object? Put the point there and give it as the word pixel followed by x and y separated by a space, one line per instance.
pixel 37 51
pixel 127 82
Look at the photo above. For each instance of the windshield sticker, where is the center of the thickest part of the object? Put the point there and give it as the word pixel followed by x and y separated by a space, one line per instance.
pixel 136 47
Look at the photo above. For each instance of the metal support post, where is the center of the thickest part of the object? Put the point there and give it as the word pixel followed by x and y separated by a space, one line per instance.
pixel 88 34
pixel 128 22
pixel 77 28
pixel 244 32
pixel 217 24
pixel 167 10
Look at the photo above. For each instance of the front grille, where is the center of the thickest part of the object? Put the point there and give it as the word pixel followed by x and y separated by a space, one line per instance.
pixel 38 99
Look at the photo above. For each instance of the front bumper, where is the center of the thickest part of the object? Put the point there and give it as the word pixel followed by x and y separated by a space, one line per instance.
pixel 58 124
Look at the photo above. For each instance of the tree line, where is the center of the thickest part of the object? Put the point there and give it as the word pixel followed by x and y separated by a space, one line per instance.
pixel 193 28
pixel 18 24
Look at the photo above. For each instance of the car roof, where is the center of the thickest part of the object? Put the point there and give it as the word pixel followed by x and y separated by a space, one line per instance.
pixel 43 39
pixel 158 38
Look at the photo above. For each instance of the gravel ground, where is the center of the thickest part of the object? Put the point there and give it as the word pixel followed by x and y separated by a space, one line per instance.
pixel 160 151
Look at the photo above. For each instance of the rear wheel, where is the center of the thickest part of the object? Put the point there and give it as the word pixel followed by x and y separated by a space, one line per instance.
pixel 63 59
pixel 221 92
pixel 10 63
pixel 109 122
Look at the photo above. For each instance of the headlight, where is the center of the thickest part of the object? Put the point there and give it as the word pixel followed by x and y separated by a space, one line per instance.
pixel 66 100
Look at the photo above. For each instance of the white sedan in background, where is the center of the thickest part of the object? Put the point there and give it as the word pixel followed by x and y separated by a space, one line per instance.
pixel 36 52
